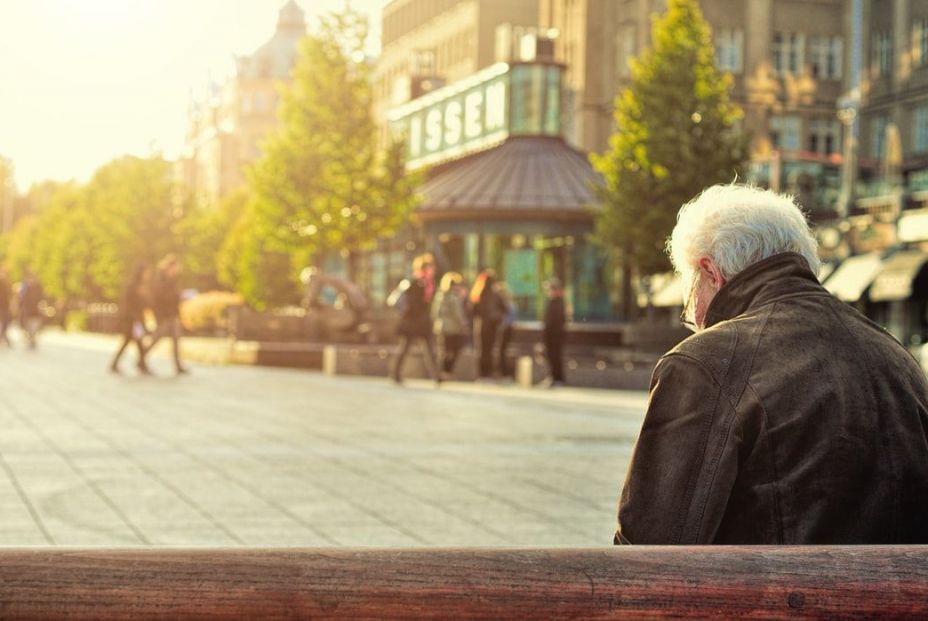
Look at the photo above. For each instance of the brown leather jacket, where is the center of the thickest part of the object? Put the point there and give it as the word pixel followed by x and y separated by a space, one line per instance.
pixel 791 419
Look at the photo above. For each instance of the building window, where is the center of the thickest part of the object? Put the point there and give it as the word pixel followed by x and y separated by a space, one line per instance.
pixel 920 42
pixel 824 136
pixel 921 129
pixel 625 48
pixel 878 136
pixel 261 103
pixel 729 44
pixel 786 133
pixel 881 54
pixel 826 56
pixel 788 53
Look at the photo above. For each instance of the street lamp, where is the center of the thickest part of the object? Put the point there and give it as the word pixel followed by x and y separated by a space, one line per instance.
pixel 847 114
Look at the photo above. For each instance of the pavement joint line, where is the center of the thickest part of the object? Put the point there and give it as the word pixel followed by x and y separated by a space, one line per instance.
pixel 181 495
pixel 334 441
pixel 36 518
pixel 414 456
pixel 348 498
pixel 142 431
pixel 245 486
pixel 424 500
pixel 83 476
pixel 488 493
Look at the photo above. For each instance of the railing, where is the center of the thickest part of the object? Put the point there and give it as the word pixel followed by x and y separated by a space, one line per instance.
pixel 605 583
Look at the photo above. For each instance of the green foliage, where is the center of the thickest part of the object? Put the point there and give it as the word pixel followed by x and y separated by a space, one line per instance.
pixel 321 184
pixel 676 135
pixel 201 234
pixel 134 207
pixel 262 274
pixel 64 252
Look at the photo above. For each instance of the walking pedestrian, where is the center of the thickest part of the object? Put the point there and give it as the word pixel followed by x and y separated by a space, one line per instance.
pixel 132 319
pixel 166 307
pixel 488 313
pixel 31 299
pixel 6 313
pixel 414 297
pixel 506 328
pixel 555 331
pixel 450 320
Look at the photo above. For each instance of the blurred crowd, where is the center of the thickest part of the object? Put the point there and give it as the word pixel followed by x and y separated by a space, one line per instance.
pixel 22 303
pixel 445 317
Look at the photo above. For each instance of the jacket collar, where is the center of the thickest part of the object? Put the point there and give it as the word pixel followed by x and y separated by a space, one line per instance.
pixel 782 274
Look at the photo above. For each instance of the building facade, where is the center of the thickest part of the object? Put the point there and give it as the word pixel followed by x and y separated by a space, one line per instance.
pixel 427 44
pixel 225 131
pixel 789 60
pixel 474 90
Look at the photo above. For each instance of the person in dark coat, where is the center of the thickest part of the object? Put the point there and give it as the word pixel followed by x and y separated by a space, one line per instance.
pixel 789 417
pixel 6 313
pixel 31 298
pixel 414 298
pixel 132 319
pixel 506 328
pixel 555 331
pixel 489 311
pixel 166 297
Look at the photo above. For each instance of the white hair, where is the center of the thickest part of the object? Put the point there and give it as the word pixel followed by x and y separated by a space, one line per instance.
pixel 737 226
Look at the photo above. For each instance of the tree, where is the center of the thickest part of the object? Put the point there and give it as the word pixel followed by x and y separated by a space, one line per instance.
pixel 322 185
pixel 64 252
pixel 135 209
pixel 676 134
pixel 261 274
pixel 201 235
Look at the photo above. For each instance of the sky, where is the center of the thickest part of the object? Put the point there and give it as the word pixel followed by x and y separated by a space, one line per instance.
pixel 85 81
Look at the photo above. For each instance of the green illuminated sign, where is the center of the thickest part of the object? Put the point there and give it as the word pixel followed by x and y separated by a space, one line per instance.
pixel 480 111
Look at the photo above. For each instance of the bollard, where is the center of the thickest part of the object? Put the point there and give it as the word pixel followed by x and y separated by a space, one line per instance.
pixel 329 360
pixel 525 371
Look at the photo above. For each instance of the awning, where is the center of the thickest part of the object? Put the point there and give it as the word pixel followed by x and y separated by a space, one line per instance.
pixel 853 276
pixel 525 176
pixel 894 282
pixel 825 271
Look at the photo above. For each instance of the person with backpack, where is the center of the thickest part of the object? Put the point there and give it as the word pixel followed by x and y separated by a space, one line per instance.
pixel 413 300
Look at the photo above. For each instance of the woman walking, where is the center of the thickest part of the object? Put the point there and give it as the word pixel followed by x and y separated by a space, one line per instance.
pixel 132 319
pixel 450 320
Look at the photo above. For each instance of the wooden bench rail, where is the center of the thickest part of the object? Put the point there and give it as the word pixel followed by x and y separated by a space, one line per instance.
pixel 605 583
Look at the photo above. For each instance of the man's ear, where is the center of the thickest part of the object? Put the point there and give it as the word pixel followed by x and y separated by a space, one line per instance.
pixel 709 267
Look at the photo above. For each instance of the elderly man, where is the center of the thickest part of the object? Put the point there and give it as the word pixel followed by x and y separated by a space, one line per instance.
pixel 788 418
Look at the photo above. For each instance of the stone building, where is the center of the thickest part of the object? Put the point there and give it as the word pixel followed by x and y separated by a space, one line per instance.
pixel 789 60
pixel 427 44
pixel 225 131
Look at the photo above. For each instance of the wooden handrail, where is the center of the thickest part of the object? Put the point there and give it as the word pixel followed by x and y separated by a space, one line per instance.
pixel 606 583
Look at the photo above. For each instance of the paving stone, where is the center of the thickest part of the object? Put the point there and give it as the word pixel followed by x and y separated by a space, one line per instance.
pixel 249 456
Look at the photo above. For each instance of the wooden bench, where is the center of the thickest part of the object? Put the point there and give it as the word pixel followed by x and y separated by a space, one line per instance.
pixel 605 583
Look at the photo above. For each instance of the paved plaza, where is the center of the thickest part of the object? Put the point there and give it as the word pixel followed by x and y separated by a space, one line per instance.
pixel 247 456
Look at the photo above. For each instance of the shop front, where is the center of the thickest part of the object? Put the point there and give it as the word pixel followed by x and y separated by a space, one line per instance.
pixel 502 191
